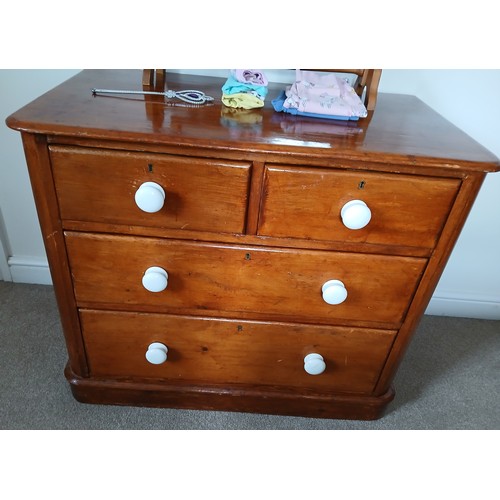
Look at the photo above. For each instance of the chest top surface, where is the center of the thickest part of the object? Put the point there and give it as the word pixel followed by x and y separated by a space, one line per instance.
pixel 402 129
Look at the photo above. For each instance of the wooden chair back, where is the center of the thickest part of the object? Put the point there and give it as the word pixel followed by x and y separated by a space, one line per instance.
pixel 365 82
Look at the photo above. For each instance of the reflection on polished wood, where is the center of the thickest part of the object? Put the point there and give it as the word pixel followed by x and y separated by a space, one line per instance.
pixel 402 128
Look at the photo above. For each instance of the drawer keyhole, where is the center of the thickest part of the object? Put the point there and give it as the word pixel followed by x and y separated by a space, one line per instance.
pixel 361 185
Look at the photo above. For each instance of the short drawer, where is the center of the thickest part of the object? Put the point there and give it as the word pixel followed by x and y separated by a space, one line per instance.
pixel 210 350
pixel 199 194
pixel 406 210
pixel 274 282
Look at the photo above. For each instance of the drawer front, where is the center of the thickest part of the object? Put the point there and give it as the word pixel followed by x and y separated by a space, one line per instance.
pixel 281 282
pixel 200 194
pixel 405 210
pixel 211 350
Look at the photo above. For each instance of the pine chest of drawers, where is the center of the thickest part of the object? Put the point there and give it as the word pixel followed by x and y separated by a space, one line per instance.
pixel 242 260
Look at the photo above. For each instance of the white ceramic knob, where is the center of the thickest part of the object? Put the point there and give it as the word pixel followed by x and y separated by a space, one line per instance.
pixel 314 364
pixel 150 197
pixel 355 214
pixel 155 279
pixel 334 292
pixel 157 353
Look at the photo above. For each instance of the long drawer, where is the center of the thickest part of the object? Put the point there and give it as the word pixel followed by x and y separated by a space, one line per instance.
pixel 405 210
pixel 199 194
pixel 209 350
pixel 201 276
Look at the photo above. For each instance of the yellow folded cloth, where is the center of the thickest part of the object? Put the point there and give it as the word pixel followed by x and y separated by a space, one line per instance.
pixel 242 100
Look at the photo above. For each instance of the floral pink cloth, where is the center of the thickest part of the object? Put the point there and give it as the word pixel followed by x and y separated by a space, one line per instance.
pixel 252 76
pixel 323 93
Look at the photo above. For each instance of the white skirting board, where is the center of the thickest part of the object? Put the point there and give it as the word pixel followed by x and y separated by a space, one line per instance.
pixel 26 269
pixel 448 303
pixel 443 303
pixel 4 266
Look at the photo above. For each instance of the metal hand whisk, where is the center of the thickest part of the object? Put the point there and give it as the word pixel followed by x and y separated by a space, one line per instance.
pixel 190 96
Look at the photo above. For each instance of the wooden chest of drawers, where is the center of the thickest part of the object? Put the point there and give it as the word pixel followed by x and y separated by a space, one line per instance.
pixel 243 261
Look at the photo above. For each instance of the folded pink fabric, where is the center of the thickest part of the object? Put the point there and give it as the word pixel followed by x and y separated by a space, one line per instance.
pixel 252 76
pixel 323 93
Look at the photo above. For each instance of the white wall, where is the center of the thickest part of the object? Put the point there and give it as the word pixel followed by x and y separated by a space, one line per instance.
pixel 470 285
pixel 19 229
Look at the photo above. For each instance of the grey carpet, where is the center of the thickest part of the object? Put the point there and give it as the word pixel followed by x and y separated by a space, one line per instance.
pixel 448 380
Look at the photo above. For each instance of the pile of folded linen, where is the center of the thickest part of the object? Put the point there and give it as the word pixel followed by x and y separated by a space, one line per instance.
pixel 320 95
pixel 245 88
